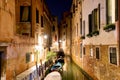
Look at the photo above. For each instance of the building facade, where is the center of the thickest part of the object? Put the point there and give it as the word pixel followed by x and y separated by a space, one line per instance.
pixel 77 31
pixel 23 26
pixel 65 33
pixel 118 26
pixel 95 45
pixel 7 24
pixel 55 32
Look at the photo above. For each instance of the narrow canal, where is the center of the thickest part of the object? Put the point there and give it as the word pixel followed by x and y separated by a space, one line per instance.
pixel 72 72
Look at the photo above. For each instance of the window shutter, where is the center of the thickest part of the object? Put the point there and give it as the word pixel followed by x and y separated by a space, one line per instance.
pixel 37 16
pixel 90 23
pixel 116 10
pixel 99 15
pixel 81 26
pixel 41 21
pixel 93 18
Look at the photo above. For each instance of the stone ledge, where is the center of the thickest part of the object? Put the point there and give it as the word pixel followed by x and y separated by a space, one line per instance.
pixel 25 73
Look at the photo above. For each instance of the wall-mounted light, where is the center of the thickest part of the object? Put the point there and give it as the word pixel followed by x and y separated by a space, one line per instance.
pixel 60 40
pixel 32 57
pixel 45 36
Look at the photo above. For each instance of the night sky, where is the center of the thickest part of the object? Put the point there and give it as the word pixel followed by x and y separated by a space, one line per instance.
pixel 57 7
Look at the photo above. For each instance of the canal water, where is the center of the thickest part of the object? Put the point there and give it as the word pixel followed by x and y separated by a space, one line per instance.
pixel 72 72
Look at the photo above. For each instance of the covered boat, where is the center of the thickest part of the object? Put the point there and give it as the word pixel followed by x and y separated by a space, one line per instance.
pixel 53 76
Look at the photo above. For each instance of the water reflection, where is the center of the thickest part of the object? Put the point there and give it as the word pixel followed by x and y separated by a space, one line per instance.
pixel 72 71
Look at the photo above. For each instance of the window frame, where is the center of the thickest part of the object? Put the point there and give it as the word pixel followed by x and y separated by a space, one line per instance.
pixel 37 16
pixel 84 50
pixel 96 53
pixel 81 50
pixel 91 52
pixel 80 26
pixel 29 13
pixel 83 28
pixel 109 18
pixel 42 22
pixel 90 23
pixel 117 56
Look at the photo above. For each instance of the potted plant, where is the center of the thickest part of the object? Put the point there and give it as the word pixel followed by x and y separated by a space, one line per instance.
pixel 109 27
pixel 89 35
pixel 50 55
pixel 95 33
pixel 82 37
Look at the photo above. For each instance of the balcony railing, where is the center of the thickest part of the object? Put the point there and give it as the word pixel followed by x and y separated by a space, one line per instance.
pixel 24 28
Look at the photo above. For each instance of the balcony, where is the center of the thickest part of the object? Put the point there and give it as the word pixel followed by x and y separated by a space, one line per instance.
pixel 24 28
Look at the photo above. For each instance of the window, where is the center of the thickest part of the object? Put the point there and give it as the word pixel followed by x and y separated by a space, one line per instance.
pixel 110 5
pixel 84 50
pixel 25 13
pixel 41 21
pixel 116 10
pixel 99 15
pixel 97 53
pixel 81 50
pixel 94 20
pixel 113 55
pixel 83 31
pixel 91 52
pixel 81 26
pixel 37 16
pixel 53 28
pixel 90 23
pixel 28 57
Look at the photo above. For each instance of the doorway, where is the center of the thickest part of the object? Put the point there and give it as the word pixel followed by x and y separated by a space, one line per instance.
pixel 2 63
pixel 1 53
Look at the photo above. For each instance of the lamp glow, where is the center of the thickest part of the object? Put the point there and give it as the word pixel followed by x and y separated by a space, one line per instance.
pixel 45 36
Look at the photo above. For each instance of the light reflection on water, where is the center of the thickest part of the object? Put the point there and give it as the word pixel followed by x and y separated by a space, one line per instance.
pixel 71 71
